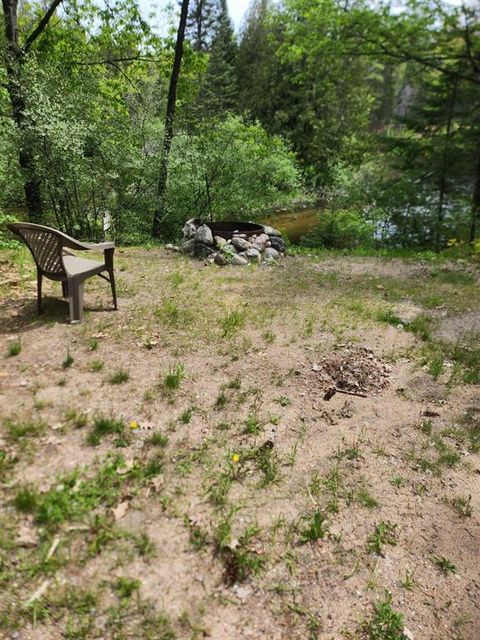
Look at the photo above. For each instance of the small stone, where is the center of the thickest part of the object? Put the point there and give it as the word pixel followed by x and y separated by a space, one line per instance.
pixel 241 244
pixel 176 248
pixel 220 242
pixel 204 235
pixel 270 231
pixel 221 259
pixel 238 259
pixel 408 634
pixel 169 247
pixel 253 255
pixel 270 252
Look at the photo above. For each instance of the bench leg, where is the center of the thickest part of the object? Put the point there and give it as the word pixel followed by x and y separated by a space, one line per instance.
pixel 64 289
pixel 112 284
pixel 76 301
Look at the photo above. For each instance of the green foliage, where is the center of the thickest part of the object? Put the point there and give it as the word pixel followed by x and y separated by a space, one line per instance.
pixel 344 229
pixel 315 529
pixel 385 624
pixel 119 377
pixel 385 533
pixel 103 426
pixel 174 377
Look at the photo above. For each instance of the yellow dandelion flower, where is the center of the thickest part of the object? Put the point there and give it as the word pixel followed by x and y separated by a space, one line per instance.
pixel 134 424
pixel 235 458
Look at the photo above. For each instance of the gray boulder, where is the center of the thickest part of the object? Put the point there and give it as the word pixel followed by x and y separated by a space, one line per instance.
pixel 278 244
pixel 220 242
pixel 271 253
pixel 228 249
pixel 202 250
pixel 241 244
pixel 187 246
pixel 238 259
pixel 253 255
pixel 262 240
pixel 189 229
pixel 204 235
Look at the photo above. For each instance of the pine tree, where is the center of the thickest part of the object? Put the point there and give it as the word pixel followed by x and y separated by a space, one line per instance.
pixel 220 90
pixel 201 23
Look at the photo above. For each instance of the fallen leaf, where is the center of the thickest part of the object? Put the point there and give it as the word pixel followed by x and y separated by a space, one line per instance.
pixel 121 509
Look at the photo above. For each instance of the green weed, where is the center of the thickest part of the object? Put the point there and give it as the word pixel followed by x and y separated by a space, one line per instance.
pixel 102 427
pixel 96 366
pixel 444 565
pixel 119 377
pixel 174 377
pixel 315 529
pixel 384 533
pixel 68 361
pixel 14 347
pixel 232 323
pixel 385 624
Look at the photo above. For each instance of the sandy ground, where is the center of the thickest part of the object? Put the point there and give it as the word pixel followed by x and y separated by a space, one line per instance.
pixel 254 449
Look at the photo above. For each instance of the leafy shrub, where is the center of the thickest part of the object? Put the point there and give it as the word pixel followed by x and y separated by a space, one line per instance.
pixel 344 229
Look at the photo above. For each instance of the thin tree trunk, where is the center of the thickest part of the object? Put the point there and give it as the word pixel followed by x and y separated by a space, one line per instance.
pixel 475 219
pixel 169 121
pixel 443 173
pixel 15 56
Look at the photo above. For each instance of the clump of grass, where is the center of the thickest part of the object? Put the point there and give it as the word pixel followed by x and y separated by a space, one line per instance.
pixel 283 401
pixel 235 383
pixel 174 377
pixel 93 344
pixel 171 314
pixel 221 401
pixel 239 560
pixel 462 505
pixel 197 536
pixel 232 323
pixel 365 498
pixel 26 500
pixel 14 347
pixel 384 533
pixel 389 317
pixel 397 481
pixel 103 426
pixel 444 565
pixel 253 426
pixel 96 365
pixel 385 624
pixel 269 337
pixel 68 360
pixel 20 430
pixel 186 416
pixel 315 529
pixel 76 418
pixel 126 587
pixel 144 546
pixel 119 377
pixel 158 439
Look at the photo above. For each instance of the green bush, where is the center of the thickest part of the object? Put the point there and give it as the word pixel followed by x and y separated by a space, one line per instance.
pixel 344 229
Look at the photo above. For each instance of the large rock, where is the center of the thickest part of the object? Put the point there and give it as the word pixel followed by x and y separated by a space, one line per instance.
pixel 253 255
pixel 204 235
pixel 278 244
pixel 189 228
pixel 187 246
pixel 220 242
pixel 262 240
pixel 270 231
pixel 228 249
pixel 271 253
pixel 241 244
pixel 202 250
pixel 238 259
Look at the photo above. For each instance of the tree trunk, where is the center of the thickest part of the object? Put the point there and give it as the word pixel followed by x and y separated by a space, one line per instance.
pixel 159 213
pixel 15 56
pixel 443 172
pixel 475 220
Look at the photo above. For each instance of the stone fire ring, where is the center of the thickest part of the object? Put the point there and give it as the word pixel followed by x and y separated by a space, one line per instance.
pixel 236 243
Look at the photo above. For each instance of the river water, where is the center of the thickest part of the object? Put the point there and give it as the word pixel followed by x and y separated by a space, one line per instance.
pixel 294 224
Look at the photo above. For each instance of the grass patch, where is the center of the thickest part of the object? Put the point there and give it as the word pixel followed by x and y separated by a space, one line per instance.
pixel 14 347
pixel 103 426
pixel 119 377
pixel 232 323
pixel 444 565
pixel 174 377
pixel 18 431
pixel 315 529
pixel 384 533
pixel 68 361
pixel 96 365
pixel 385 624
